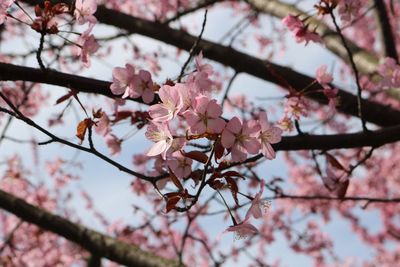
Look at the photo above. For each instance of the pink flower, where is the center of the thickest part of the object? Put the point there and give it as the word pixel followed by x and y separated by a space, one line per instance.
pixel 286 123
pixel 390 73
pixel 181 166
pixel 296 107
pixel 142 86
pixel 241 138
pixel 114 144
pixel 292 22
pixel 87 46
pixel 84 10
pixel 268 135
pixel 323 77
pixel 300 30
pixel 122 78
pixel 103 125
pixel 4 5
pixel 349 9
pixel 170 106
pixel 257 205
pixel 205 116
pixel 160 134
pixel 200 80
pixel 331 94
pixel 243 230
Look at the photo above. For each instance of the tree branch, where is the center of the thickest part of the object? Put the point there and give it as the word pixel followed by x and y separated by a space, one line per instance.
pixel 93 241
pixel 365 61
pixel 388 40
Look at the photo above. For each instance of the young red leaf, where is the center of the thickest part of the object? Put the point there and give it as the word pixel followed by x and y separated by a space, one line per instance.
pixel 175 180
pixel 197 155
pixel 232 174
pixel 342 189
pixel 122 115
pixel 233 187
pixel 334 162
pixel 71 92
pixel 172 201
pixel 219 150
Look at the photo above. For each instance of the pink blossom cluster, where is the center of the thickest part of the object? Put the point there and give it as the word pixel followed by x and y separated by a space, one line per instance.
pixel 86 43
pixel 186 111
pixel 128 83
pixel 300 30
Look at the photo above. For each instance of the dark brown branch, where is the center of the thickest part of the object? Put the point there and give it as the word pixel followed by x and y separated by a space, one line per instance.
pixel 349 198
pixel 93 241
pixel 388 40
pixel 373 112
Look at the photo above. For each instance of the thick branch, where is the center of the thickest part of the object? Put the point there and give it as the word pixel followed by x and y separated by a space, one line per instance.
pixel 90 240
pixel 338 141
pixel 373 112
pixel 382 20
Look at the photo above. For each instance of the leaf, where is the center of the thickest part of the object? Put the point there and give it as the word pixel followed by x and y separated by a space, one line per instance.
pixel 122 115
pixel 71 92
pixel 219 150
pixel 175 180
pixel 233 187
pixel 216 184
pixel 232 174
pixel 82 127
pixel 342 189
pixel 172 200
pixel 197 155
pixel 334 162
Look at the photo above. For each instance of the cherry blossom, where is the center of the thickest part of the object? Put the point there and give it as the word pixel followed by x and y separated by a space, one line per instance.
pixel 159 133
pixel 102 127
pixel 241 138
pixel 300 30
pixel 390 72
pixel 349 9
pixel 122 78
pixel 331 94
pixel 205 116
pixel 257 204
pixel 113 143
pixel 87 46
pixel 323 77
pixel 170 106
pixel 84 11
pixel 181 166
pixel 142 86
pixel 243 230
pixel 268 135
